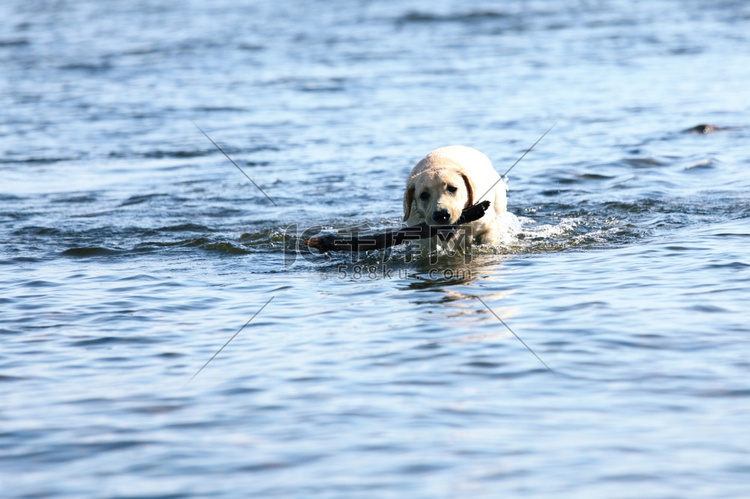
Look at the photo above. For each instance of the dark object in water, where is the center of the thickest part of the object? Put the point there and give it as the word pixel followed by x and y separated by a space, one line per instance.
pixel 704 129
pixel 334 242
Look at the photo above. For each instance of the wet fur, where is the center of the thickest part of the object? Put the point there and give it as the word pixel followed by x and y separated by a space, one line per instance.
pixel 449 178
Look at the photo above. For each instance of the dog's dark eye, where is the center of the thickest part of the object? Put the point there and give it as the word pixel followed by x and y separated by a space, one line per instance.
pixel 452 188
pixel 424 196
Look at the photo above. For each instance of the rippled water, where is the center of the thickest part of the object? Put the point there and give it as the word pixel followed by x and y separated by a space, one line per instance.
pixel 133 252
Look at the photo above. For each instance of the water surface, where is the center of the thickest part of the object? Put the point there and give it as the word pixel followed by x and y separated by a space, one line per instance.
pixel 133 251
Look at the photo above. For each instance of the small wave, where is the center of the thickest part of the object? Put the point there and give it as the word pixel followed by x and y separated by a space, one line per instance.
pixel 38 160
pixel 268 238
pixel 645 162
pixel 18 42
pixel 251 47
pixel 41 284
pixel 142 199
pixel 705 164
pixel 189 227
pixel 730 266
pixel 573 231
pixel 76 198
pixel 38 231
pixel 108 340
pixel 219 109
pixel 204 243
pixel 731 234
pixel 466 17
pixel 87 67
pixel 225 247
pixel 90 251
pixel 181 153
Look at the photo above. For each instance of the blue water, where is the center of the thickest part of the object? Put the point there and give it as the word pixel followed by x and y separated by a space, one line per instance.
pixel 133 252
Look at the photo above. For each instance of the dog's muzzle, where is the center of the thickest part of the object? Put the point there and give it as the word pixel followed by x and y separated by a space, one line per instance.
pixel 441 216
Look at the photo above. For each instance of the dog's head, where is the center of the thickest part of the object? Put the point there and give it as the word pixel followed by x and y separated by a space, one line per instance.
pixel 439 193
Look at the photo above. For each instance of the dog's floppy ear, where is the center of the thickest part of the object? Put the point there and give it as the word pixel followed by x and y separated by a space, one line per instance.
pixel 408 198
pixel 469 189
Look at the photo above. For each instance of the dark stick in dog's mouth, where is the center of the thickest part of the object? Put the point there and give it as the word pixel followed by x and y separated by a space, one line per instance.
pixel 336 242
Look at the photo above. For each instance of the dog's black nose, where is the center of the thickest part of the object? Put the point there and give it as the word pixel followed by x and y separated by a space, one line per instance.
pixel 441 216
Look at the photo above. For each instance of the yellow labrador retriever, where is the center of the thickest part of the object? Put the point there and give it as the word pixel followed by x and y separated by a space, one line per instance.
pixel 450 179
